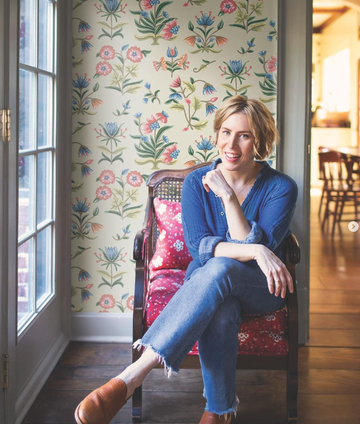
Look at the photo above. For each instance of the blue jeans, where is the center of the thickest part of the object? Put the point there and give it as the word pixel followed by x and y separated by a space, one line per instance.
pixel 208 308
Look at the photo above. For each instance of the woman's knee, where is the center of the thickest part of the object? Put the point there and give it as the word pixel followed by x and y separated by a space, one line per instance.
pixel 223 266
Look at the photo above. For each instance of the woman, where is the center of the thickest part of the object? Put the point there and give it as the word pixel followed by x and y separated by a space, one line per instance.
pixel 235 214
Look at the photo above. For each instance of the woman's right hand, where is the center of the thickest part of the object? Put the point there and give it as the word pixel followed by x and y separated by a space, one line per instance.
pixel 275 271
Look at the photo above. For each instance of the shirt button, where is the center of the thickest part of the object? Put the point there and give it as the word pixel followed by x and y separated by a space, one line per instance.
pixel 221 213
pixel 216 195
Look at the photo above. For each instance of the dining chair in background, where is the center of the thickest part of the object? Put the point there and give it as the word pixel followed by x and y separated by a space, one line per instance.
pixel 341 187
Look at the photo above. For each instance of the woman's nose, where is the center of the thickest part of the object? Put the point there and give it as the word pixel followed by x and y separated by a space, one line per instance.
pixel 232 141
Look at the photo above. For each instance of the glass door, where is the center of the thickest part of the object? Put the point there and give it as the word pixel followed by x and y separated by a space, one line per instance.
pixel 33 264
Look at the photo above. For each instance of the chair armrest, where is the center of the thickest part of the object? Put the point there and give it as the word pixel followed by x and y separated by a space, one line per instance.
pixel 143 234
pixel 292 249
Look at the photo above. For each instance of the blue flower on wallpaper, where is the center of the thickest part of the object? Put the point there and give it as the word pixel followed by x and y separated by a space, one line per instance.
pixel 269 37
pixel 81 81
pixel 154 2
pixel 272 23
pixel 269 76
pixel 84 151
pixel 175 96
pixel 144 138
pixel 83 275
pixel 85 46
pixel 126 106
pixel 111 5
pixel 210 108
pixel 85 169
pixel 147 85
pixel 250 44
pixel 144 14
pixel 85 295
pixel 172 52
pixel 81 206
pixel 174 154
pixel 111 128
pixel 84 26
pixel 126 230
pixel 111 253
pixel 166 139
pixel 138 115
pixel 205 20
pixel 166 15
pixel 208 89
pixel 262 53
pixel 235 66
pixel 145 100
pixel 205 144
pixel 125 47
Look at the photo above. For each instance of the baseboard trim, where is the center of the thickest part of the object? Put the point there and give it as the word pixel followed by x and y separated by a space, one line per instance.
pixel 39 377
pixel 104 328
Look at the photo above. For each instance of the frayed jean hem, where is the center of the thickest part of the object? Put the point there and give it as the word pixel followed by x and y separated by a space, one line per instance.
pixel 168 369
pixel 231 410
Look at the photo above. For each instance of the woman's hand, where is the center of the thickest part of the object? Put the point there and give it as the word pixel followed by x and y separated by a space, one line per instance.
pixel 275 271
pixel 215 181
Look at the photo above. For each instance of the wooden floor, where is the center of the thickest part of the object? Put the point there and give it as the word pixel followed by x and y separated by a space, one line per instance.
pixel 329 366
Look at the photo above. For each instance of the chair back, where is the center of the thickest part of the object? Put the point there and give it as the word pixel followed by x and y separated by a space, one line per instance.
pixel 334 168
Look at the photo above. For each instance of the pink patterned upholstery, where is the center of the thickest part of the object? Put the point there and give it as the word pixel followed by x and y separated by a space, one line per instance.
pixel 171 251
pixel 259 334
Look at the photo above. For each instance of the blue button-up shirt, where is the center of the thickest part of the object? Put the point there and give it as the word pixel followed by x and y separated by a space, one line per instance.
pixel 268 207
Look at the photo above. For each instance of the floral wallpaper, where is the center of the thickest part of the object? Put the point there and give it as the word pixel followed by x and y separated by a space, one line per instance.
pixel 148 76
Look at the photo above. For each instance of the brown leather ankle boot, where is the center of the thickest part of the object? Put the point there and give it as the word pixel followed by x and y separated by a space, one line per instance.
pixel 210 418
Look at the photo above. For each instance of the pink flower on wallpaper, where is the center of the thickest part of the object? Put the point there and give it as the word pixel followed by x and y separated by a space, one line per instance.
pixel 190 40
pixel 162 117
pixel 134 54
pixel 107 177
pixel 176 83
pixel 150 126
pixel 271 64
pixel 96 103
pixel 103 68
pixel 103 193
pixel 107 53
pixel 170 29
pixel 107 301
pixel 228 6
pixel 170 154
pixel 220 40
pixel 134 178
pixel 96 227
pixel 130 303
pixel 148 4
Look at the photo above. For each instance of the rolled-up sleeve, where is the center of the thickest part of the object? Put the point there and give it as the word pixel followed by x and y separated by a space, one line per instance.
pixel 254 236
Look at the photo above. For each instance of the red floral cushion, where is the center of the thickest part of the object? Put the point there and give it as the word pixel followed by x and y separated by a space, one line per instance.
pixel 258 334
pixel 171 251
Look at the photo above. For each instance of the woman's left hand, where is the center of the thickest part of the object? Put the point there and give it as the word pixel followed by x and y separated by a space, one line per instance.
pixel 215 181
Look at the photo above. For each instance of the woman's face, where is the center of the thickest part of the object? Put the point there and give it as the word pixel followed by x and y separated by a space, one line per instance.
pixel 235 142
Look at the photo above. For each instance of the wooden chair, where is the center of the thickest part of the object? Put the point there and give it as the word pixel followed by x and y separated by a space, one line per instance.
pixel 167 184
pixel 340 187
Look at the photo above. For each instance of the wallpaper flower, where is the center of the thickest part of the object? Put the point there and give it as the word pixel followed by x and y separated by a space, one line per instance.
pixel 148 76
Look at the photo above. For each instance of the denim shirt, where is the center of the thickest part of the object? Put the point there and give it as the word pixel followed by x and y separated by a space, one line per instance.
pixel 268 207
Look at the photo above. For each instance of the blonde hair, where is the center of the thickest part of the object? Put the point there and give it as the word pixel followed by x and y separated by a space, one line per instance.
pixel 261 123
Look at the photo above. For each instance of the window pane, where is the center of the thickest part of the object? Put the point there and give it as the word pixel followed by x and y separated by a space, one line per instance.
pixel 46 34
pixel 25 307
pixel 27 36
pixel 27 108
pixel 43 265
pixel 26 195
pixel 44 187
pixel 45 108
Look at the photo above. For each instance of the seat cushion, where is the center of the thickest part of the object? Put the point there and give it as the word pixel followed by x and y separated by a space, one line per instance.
pixel 258 334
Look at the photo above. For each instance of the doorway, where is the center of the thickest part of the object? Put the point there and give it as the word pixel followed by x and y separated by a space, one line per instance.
pixel 335 257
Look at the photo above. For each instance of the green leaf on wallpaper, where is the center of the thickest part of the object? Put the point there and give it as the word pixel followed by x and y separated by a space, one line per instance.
pixel 229 87
pixel 196 103
pixel 267 99
pixel 200 125
pixel 118 283
pixel 76 187
pixel 74 290
pixel 191 26
pixel 104 24
pixel 96 87
pixel 96 211
pixel 220 25
pixel 177 107
pixel 104 273
pixel 119 274
pixel 191 151
pixel 190 87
